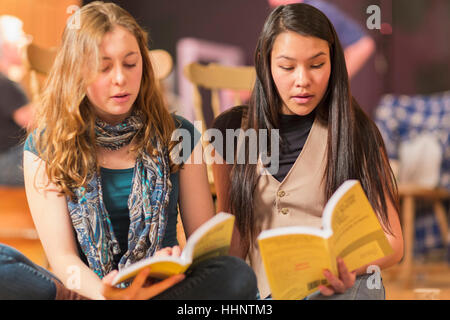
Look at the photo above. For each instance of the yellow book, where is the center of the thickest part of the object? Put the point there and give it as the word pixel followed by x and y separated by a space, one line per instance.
pixel 294 257
pixel 211 239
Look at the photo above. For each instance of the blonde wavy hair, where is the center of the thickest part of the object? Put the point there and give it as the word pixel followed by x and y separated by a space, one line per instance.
pixel 64 127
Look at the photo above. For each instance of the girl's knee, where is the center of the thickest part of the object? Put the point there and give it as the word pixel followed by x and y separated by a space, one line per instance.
pixel 240 280
pixel 9 253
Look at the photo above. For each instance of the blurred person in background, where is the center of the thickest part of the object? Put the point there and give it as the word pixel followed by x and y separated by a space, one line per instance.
pixel 358 46
pixel 15 110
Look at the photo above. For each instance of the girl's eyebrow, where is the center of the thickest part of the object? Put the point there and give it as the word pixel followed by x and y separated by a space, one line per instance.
pixel 317 55
pixel 127 55
pixel 284 57
pixel 290 58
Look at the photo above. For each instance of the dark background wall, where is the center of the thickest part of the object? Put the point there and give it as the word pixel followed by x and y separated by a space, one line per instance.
pixel 236 22
pixel 414 59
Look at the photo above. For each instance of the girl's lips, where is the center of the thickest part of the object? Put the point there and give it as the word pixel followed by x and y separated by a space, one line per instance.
pixel 121 98
pixel 302 99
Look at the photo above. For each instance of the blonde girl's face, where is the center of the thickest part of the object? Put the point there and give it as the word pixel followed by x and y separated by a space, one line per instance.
pixel 116 85
pixel 301 70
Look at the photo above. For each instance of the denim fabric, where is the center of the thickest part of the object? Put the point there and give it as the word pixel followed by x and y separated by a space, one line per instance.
pixel 21 279
pixel 11 168
pixel 360 291
pixel 220 278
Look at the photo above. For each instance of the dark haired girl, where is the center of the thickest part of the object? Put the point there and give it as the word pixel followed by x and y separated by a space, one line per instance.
pixel 302 89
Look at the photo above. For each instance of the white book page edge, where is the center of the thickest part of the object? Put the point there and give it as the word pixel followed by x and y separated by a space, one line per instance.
pixel 331 204
pixel 293 230
pixel 144 262
pixel 197 234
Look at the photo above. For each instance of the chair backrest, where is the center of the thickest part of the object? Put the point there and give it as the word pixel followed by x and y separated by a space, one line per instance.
pixel 162 62
pixel 40 61
pixel 216 77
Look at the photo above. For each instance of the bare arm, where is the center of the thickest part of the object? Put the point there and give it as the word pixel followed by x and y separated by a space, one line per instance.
pixel 222 182
pixel 395 239
pixel 196 204
pixel 51 218
pixel 357 54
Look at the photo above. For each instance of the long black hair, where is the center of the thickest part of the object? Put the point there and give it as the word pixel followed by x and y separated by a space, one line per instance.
pixel 355 147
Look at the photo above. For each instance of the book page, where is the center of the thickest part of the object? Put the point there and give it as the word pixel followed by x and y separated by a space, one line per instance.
pixel 211 239
pixel 294 263
pixel 215 242
pixel 357 237
pixel 161 267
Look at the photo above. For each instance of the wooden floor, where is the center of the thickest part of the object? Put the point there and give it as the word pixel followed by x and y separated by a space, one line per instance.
pixel 17 230
pixel 17 227
pixel 432 275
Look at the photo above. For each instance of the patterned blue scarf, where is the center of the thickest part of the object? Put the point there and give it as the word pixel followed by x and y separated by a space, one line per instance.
pixel 147 204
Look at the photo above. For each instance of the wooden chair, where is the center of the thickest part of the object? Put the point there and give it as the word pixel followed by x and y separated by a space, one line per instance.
pixel 39 61
pixel 215 77
pixel 162 62
pixel 409 194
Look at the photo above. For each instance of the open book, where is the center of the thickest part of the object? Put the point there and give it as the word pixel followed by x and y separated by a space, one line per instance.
pixel 294 257
pixel 211 239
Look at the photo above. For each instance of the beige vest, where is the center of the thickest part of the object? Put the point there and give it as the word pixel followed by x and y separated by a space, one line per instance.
pixel 297 200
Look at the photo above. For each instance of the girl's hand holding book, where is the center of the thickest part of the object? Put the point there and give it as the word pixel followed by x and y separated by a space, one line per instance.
pixel 141 288
pixel 345 281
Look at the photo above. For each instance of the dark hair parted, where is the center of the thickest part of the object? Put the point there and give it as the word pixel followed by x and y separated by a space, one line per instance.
pixel 355 147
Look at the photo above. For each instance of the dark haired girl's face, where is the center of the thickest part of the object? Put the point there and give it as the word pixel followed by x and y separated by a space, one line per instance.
pixel 300 69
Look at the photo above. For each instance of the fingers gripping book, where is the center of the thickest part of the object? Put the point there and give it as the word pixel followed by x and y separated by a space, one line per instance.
pixel 295 257
pixel 211 239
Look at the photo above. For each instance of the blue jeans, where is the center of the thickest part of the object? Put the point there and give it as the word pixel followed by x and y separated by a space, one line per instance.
pixel 360 291
pixel 11 168
pixel 22 279
pixel 220 278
